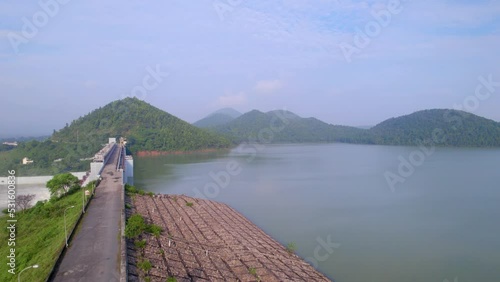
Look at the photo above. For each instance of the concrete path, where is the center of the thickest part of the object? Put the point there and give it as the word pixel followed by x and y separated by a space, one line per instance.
pixel 94 254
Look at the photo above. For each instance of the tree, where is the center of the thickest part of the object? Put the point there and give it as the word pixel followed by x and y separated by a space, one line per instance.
pixel 62 183
pixel 24 201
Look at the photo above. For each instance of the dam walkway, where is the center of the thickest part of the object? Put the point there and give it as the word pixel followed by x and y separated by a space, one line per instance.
pixel 94 253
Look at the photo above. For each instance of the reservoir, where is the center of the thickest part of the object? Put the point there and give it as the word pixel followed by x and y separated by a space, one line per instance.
pixel 436 222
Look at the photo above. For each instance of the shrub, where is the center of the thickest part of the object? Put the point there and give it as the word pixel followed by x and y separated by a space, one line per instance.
pixel 291 247
pixel 252 271
pixel 135 226
pixel 140 244
pixel 171 279
pixel 154 229
pixel 145 265
pixel 189 204
pixel 130 189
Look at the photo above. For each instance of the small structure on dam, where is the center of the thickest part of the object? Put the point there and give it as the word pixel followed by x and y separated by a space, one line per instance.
pixel 125 163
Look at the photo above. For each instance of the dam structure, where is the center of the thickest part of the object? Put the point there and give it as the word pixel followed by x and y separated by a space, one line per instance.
pixel 96 252
pixel 124 163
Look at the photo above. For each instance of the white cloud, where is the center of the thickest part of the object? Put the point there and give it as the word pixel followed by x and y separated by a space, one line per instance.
pixel 232 100
pixel 268 86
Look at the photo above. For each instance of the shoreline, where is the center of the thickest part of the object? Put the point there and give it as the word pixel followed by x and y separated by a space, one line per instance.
pixel 166 153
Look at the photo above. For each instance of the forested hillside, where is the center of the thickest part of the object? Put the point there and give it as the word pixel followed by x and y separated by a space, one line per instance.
pixel 147 128
pixel 449 128
pixel 285 126
pixel 219 117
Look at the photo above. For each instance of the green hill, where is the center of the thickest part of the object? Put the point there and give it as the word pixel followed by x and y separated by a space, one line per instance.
pixel 285 126
pixel 450 127
pixel 147 128
pixel 219 117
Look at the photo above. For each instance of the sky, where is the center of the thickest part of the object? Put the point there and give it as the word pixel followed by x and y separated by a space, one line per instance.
pixel 344 62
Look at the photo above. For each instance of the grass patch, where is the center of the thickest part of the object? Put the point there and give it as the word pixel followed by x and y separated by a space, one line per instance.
pixel 253 272
pixel 189 204
pixel 140 244
pixel 291 247
pixel 131 190
pixel 154 229
pixel 171 279
pixel 135 226
pixel 40 237
pixel 144 265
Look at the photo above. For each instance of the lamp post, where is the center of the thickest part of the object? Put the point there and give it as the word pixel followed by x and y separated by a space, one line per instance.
pixel 65 231
pixel 83 199
pixel 19 275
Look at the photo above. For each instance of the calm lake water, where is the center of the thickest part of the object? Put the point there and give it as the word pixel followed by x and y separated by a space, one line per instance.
pixel 334 203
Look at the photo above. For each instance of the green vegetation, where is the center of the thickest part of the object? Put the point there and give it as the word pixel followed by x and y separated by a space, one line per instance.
pixel 446 127
pixel 154 229
pixel 135 226
pixel 450 127
pixel 60 184
pixel 171 279
pixel 151 129
pixel 40 236
pixel 144 265
pixel 147 128
pixel 291 247
pixel 140 244
pixel 213 120
pixel 189 204
pixel 131 190
pixel 287 127
pixel 219 117
pixel 49 157
pixel 253 272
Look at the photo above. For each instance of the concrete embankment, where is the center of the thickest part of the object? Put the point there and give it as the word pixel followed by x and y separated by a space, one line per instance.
pixel 203 240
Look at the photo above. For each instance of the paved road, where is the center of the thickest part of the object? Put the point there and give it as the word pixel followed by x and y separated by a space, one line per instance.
pixel 94 254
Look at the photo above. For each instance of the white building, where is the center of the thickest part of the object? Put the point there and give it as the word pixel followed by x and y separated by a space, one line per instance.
pixel 27 161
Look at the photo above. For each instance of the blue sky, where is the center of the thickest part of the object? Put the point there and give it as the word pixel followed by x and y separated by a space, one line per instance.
pixel 247 55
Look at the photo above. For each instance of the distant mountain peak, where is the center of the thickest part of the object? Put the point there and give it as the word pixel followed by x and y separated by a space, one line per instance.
pixel 227 111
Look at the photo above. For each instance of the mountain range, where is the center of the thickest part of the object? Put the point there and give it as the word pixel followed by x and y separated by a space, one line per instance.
pixel 441 127
pixel 148 128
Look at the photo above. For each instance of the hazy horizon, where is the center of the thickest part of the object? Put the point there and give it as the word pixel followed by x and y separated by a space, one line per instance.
pixel 365 126
pixel 344 62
